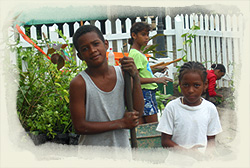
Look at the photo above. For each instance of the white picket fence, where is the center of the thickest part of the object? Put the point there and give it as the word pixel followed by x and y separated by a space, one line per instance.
pixel 218 40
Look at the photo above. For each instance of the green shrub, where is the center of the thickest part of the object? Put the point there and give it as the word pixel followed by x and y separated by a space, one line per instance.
pixel 43 97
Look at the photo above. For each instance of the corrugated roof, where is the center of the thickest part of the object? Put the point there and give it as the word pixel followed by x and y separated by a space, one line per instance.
pixel 48 15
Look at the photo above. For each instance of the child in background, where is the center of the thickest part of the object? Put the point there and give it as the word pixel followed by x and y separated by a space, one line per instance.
pixel 217 72
pixel 139 37
pixel 190 122
pixel 97 98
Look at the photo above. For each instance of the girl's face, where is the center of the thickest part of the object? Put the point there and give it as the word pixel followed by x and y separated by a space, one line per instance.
pixel 192 88
pixel 141 38
pixel 219 74
pixel 92 49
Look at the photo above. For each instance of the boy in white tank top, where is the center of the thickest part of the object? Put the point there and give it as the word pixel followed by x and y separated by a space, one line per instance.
pixel 97 98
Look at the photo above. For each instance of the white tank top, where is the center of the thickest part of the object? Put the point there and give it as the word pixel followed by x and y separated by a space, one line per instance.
pixel 105 106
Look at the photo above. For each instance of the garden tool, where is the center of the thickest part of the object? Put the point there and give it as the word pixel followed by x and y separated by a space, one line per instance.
pixel 130 105
pixel 167 63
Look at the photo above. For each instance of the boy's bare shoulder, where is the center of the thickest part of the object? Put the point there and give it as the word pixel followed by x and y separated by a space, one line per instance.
pixel 77 81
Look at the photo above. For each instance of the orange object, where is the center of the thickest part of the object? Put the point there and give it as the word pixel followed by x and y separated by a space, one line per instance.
pixel 119 55
pixel 25 37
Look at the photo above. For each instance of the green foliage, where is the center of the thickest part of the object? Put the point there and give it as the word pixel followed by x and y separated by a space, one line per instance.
pixel 190 36
pixel 218 100
pixel 151 49
pixel 43 92
pixel 188 40
pixel 179 88
pixel 160 98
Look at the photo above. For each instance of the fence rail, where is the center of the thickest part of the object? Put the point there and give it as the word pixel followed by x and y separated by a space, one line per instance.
pixel 218 40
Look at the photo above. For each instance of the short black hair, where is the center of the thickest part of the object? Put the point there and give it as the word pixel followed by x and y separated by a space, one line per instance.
pixel 221 67
pixel 194 67
pixel 136 28
pixel 83 30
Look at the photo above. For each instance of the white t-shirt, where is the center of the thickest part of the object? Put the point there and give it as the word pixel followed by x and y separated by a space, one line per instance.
pixel 189 125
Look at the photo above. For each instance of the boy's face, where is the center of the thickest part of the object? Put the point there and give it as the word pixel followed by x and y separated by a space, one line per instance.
pixel 92 49
pixel 192 88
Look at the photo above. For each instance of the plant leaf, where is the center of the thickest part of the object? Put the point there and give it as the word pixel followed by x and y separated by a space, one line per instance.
pixel 150 48
pixel 179 88
pixel 156 36
pixel 57 84
pixel 54 58
pixel 183 35
pixel 66 98
pixel 50 51
pixel 60 63
pixel 184 58
pixel 64 46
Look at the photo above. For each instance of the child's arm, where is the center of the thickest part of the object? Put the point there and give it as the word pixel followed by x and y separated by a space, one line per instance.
pixel 163 80
pixel 78 113
pixel 166 141
pixel 211 150
pixel 161 69
pixel 214 128
pixel 137 96
pixel 210 141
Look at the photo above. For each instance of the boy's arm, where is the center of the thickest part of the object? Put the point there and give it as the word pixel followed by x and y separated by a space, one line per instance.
pixel 78 113
pixel 137 96
pixel 138 100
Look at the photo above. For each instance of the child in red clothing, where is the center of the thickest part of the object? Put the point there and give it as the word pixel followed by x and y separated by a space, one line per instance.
pixel 217 72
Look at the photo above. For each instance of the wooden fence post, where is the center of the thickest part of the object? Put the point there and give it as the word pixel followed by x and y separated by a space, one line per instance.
pixel 119 31
pixel 178 38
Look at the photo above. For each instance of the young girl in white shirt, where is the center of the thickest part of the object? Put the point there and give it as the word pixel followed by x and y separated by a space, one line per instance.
pixel 190 122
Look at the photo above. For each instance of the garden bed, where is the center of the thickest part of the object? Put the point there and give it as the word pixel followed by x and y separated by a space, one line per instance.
pixel 225 109
pixel 66 139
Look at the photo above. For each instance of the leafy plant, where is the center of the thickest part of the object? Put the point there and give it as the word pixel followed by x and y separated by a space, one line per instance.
pixel 160 99
pixel 188 40
pixel 190 36
pixel 151 49
pixel 42 98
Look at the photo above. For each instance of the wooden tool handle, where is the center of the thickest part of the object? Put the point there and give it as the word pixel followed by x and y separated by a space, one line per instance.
pixel 165 64
pixel 129 100
pixel 159 64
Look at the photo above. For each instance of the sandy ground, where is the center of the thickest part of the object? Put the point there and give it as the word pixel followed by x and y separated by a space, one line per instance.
pixel 225 139
pixel 59 154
